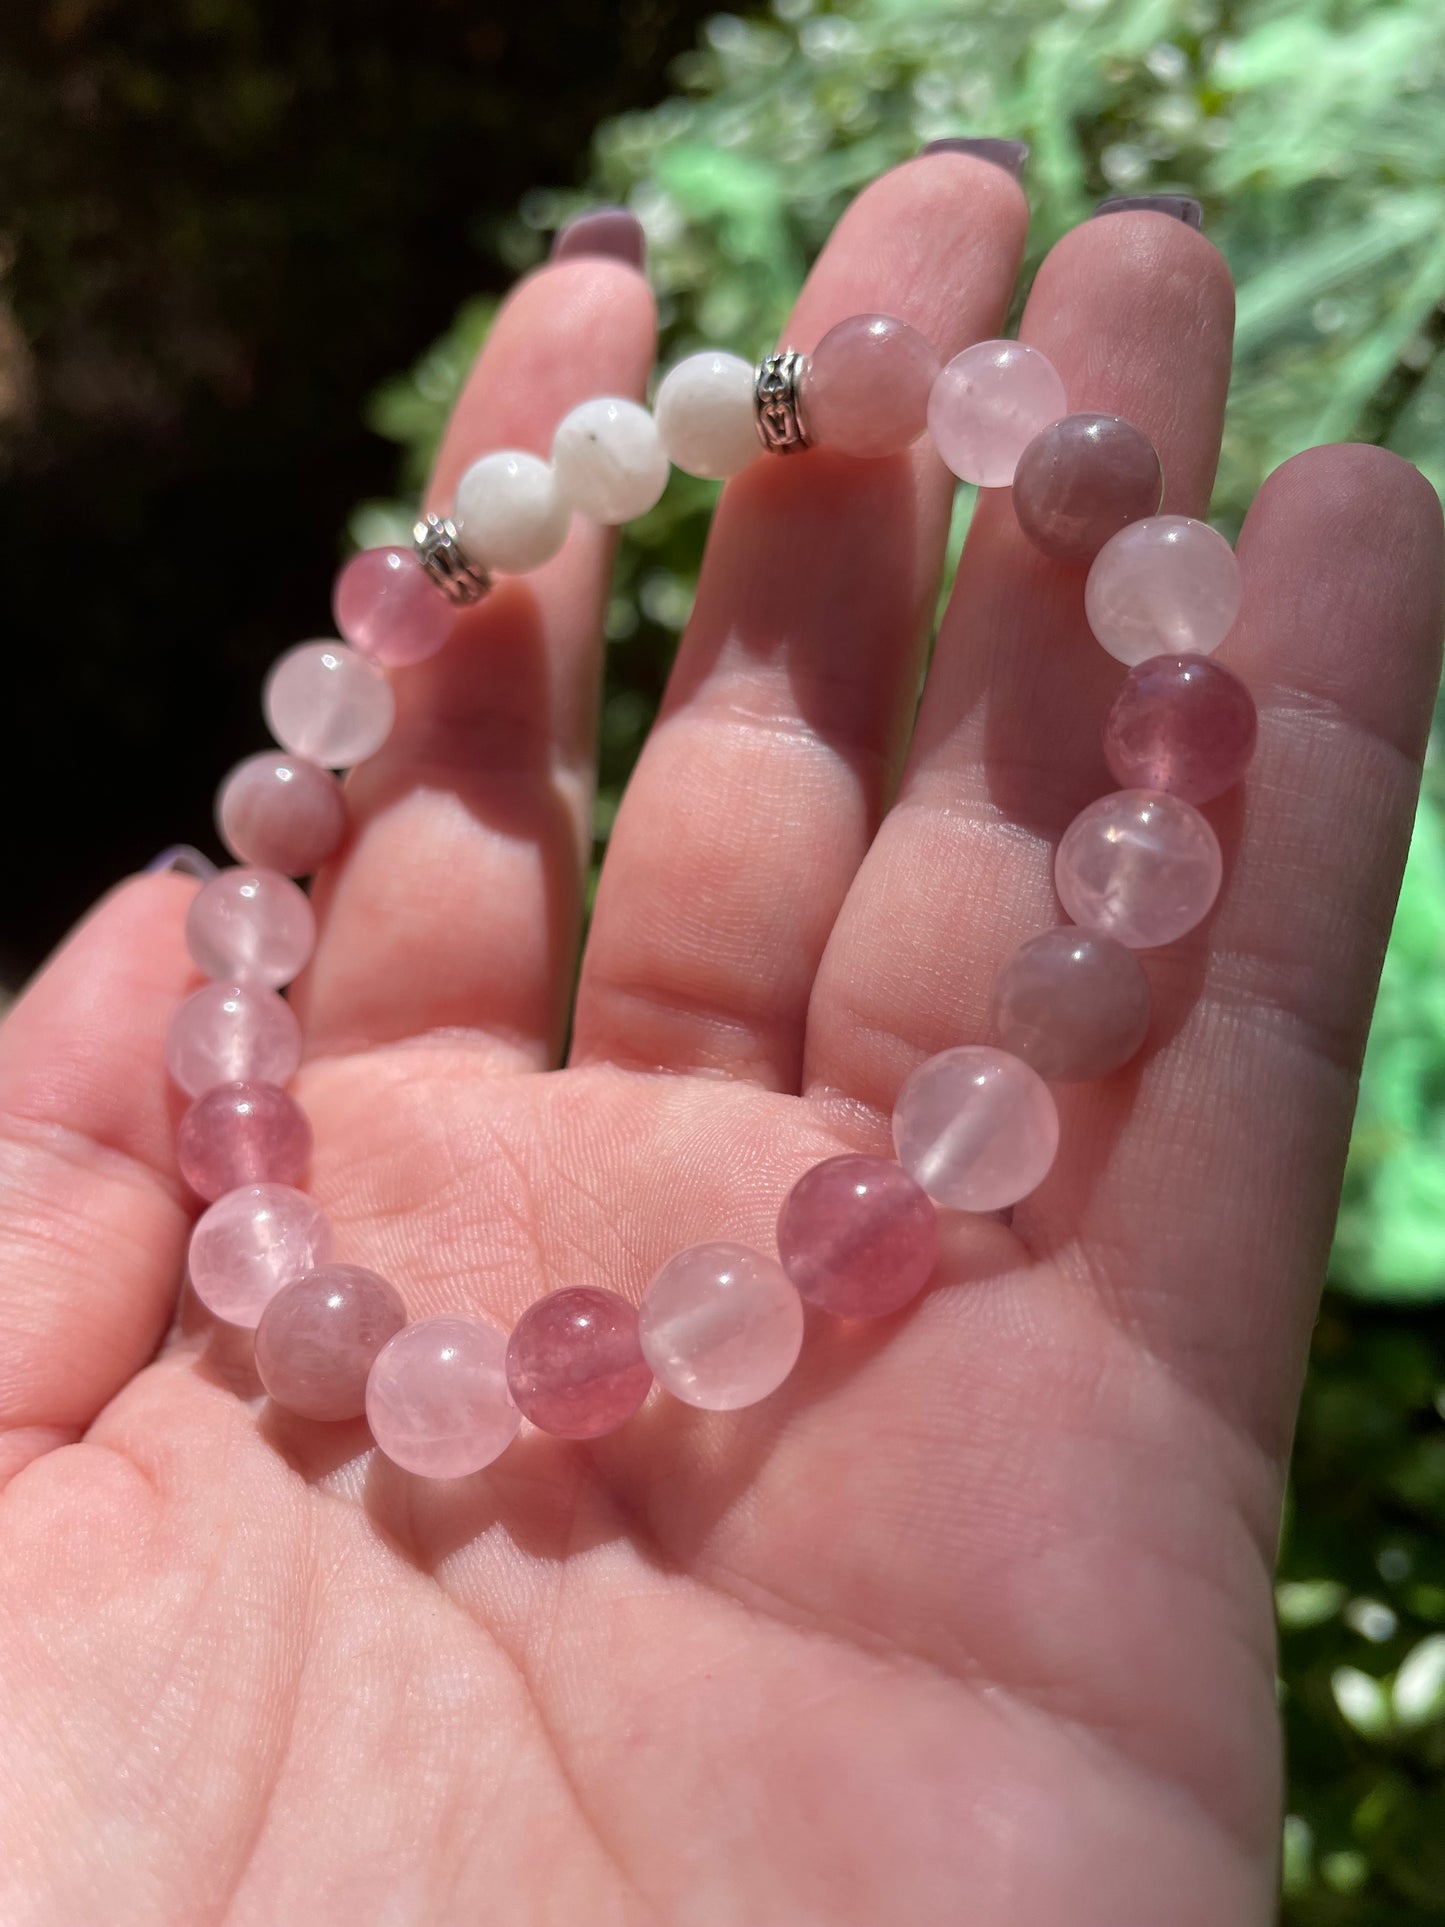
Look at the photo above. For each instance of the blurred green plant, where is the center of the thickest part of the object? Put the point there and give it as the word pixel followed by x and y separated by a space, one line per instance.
pixel 1314 138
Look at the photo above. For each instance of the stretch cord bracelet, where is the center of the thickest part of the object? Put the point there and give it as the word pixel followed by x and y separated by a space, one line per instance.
pixel 975 1128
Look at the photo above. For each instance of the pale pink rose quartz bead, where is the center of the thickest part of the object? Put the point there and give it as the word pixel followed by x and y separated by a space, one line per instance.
pixel 866 386
pixel 282 813
pixel 1165 586
pixel 1072 1005
pixel 1140 867
pixel 976 1128
pixel 1081 480
pixel 227 1031
pixel 437 1399
pixel 251 1244
pixel 327 703
pixel 387 606
pixel 318 1339
pixel 857 1236
pixel 987 406
pixel 242 1133
pixel 574 1363
pixel 1184 724
pixel 721 1326
pixel 251 927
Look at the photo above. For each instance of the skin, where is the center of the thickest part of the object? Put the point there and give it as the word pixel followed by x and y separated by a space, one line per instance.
pixel 971 1622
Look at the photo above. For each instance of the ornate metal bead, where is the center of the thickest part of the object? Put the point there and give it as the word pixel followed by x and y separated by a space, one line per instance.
pixel 440 553
pixel 777 397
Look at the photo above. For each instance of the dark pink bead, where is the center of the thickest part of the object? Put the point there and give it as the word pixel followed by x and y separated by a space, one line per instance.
pixel 388 607
pixel 866 386
pixel 574 1363
pixel 242 1133
pixel 1081 480
pixel 1182 724
pixel 857 1236
pixel 1071 1005
pixel 281 813
pixel 318 1337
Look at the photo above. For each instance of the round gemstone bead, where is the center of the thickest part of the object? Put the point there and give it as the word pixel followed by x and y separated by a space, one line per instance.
pixel 509 514
pixel 866 387
pixel 251 927
pixel 325 702
pixel 1081 480
pixel 609 460
pixel 1166 585
pixel 574 1363
pixel 223 1032
pixel 721 1326
pixel 857 1236
pixel 319 1336
pixel 251 1244
pixel 1072 1005
pixel 1138 866
pixel 987 406
pixel 705 415
pixel 387 606
pixel 242 1133
pixel 976 1128
pixel 1184 724
pixel 437 1399
pixel 281 813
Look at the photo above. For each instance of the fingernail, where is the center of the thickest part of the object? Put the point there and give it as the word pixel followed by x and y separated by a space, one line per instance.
pixel 184 860
pixel 1009 155
pixel 611 231
pixel 1182 207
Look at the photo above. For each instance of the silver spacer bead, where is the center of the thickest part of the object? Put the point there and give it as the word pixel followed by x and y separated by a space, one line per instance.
pixel 777 399
pixel 440 553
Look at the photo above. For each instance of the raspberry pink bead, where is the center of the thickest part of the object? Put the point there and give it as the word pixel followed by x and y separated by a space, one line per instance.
pixel 574 1363
pixel 987 406
pixel 386 605
pixel 437 1399
pixel 227 1031
pixel 1081 480
pixel 325 702
pixel 281 813
pixel 1140 867
pixel 251 927
pixel 1184 724
pixel 857 1236
pixel 1071 1005
pixel 976 1128
pixel 866 386
pixel 721 1326
pixel 251 1244
pixel 318 1339
pixel 1166 585
pixel 242 1133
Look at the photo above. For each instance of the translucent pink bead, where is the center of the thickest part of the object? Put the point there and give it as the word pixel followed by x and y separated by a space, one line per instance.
pixel 227 1031
pixel 318 1338
pixel 987 406
pixel 721 1326
pixel 857 1236
pixel 327 703
pixel 1072 1005
pixel 1138 866
pixel 1081 480
pixel 1184 724
pixel 976 1128
pixel 251 927
pixel 437 1399
pixel 866 386
pixel 1165 585
pixel 281 813
pixel 251 1244
pixel 242 1133
pixel 387 606
pixel 574 1363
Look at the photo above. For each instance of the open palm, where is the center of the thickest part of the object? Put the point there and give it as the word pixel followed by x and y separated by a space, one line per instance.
pixel 970 1623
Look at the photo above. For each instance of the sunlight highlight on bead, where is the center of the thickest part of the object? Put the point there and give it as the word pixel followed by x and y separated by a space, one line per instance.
pixel 575 1364
pixel 251 927
pixel 319 1336
pixel 721 1326
pixel 437 1399
pixel 857 1236
pixel 976 1128
pixel 1138 866
pixel 252 1243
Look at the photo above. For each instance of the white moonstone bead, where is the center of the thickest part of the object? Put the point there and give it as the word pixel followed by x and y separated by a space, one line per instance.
pixel 609 460
pixel 327 703
pixel 509 513
pixel 705 415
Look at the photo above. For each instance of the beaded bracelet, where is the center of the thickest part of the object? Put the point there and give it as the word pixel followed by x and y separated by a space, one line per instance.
pixel 975 1128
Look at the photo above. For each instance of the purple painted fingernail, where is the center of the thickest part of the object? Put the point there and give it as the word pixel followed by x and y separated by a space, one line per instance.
pixel 1181 207
pixel 184 860
pixel 1009 155
pixel 610 231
